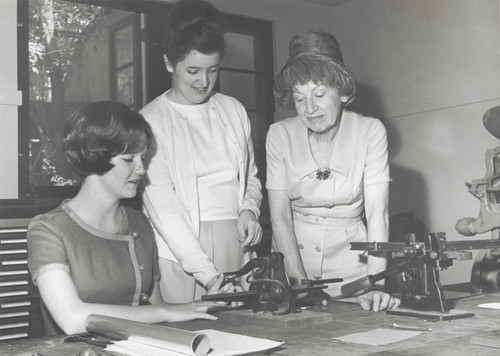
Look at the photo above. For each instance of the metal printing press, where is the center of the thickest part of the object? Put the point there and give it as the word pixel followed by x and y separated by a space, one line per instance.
pixel 269 289
pixel 421 291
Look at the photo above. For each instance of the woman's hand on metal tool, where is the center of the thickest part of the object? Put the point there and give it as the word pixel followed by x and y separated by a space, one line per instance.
pixel 377 300
pixel 313 297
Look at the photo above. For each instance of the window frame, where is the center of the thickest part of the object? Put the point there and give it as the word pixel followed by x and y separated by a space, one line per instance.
pixel 136 62
pixel 260 29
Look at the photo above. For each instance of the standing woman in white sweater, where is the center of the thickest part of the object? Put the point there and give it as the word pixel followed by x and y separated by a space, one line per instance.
pixel 201 191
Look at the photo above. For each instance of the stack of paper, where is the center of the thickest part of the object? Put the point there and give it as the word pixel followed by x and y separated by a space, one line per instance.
pixel 141 339
pixel 222 344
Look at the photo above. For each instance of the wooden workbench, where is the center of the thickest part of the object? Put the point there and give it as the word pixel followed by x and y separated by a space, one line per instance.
pixel 447 338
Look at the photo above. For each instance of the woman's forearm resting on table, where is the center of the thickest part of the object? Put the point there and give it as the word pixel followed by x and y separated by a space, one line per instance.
pixel 59 294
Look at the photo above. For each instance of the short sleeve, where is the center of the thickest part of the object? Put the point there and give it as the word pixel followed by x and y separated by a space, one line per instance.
pixel 275 159
pixel 45 250
pixel 377 165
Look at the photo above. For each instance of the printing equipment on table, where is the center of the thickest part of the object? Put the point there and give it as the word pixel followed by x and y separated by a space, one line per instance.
pixel 269 289
pixel 446 337
pixel 422 291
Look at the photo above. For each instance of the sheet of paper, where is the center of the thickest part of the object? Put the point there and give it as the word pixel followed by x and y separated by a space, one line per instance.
pixel 160 336
pixel 229 344
pixel 131 348
pixel 379 336
pixel 490 305
pixel 223 344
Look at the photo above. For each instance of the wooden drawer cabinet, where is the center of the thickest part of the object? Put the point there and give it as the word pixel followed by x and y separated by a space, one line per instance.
pixel 20 314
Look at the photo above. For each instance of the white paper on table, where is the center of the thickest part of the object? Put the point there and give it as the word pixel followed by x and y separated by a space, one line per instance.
pixel 132 348
pixel 222 343
pixel 162 337
pixel 378 336
pixel 229 344
pixel 490 305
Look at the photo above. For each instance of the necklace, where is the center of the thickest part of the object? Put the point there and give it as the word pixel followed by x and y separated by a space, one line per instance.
pixel 321 151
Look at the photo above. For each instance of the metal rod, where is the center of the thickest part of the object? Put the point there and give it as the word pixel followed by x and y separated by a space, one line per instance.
pixel 450 245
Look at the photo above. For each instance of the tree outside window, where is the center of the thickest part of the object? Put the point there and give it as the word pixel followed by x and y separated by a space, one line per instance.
pixel 69 56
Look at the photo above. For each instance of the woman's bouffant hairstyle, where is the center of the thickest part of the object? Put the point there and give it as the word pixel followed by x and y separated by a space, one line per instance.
pixel 316 68
pixel 100 131
pixel 193 25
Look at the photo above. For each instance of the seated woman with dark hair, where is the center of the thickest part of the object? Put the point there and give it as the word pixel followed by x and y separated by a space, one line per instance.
pixel 91 255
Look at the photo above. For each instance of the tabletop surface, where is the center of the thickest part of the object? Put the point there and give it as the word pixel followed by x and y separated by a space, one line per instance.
pixel 446 338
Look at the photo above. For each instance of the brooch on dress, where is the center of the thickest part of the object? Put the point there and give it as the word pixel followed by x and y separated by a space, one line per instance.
pixel 319 174
pixel 322 174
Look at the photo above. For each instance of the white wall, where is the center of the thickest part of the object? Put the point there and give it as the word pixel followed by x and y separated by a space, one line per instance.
pixel 289 18
pixel 430 69
pixel 10 98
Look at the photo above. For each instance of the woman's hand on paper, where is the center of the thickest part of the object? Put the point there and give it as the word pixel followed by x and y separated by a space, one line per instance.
pixel 249 229
pixel 377 300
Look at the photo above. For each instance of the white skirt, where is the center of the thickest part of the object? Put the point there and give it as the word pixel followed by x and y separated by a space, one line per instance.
pixel 219 240
pixel 324 245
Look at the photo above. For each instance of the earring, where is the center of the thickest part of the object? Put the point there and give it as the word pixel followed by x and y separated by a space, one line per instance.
pixel 168 65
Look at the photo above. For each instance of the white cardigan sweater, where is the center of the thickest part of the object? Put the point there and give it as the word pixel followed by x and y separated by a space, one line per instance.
pixel 170 191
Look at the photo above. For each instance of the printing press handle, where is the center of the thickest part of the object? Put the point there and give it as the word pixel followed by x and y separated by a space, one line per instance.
pixel 349 289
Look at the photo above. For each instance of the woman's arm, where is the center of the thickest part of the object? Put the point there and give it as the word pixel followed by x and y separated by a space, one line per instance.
pixel 248 222
pixel 284 239
pixel 376 192
pixel 170 216
pixel 170 221
pixel 59 294
pixel 377 216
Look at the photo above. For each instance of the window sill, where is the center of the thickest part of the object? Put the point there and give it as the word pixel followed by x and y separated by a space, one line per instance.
pixel 26 208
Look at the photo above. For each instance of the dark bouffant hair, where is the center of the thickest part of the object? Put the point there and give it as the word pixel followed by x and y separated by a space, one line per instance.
pixel 193 25
pixel 100 131
pixel 316 68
